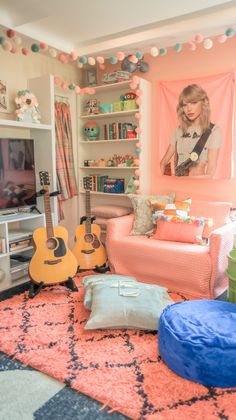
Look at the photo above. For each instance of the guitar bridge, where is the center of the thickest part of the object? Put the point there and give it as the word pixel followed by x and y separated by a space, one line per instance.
pixel 53 262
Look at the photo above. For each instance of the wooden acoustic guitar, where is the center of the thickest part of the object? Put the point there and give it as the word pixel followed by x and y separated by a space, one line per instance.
pixel 88 249
pixel 52 262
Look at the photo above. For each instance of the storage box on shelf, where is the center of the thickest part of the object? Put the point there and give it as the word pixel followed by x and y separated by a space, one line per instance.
pixel 43 135
pixel 115 151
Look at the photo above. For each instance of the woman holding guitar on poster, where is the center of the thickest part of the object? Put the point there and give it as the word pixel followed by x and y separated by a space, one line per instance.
pixel 196 141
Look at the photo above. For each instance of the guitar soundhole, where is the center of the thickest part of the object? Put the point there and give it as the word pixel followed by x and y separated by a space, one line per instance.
pixel 88 238
pixel 52 243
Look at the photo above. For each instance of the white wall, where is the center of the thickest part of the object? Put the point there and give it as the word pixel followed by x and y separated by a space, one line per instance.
pixel 16 69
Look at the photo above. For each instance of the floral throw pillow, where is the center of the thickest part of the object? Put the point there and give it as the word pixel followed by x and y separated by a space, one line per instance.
pixel 143 222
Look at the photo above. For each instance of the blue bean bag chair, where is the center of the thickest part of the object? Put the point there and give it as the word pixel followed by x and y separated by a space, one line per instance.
pixel 197 340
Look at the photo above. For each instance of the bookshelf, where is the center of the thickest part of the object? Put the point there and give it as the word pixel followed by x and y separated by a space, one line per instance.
pixel 92 151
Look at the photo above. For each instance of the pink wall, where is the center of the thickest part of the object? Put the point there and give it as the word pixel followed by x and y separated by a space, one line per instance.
pixel 184 65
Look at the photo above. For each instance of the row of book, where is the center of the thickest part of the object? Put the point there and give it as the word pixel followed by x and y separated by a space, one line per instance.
pixel 117 130
pixel 102 183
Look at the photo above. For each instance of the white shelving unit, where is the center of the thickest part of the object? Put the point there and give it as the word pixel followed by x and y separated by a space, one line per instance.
pixel 15 228
pixel 43 135
pixel 105 149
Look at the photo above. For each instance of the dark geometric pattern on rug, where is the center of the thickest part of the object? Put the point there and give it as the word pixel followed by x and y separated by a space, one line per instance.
pixel 120 368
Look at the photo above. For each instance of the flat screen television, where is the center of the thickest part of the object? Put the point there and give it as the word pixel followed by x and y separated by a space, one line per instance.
pixel 17 173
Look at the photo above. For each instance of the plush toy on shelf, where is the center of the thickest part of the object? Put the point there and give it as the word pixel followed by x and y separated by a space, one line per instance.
pixel 27 107
pixel 92 130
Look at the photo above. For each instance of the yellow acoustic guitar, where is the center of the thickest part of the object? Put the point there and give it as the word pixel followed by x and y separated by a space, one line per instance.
pixel 52 261
pixel 88 249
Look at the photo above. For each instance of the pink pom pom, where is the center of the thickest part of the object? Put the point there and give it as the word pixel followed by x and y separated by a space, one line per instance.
pixel 100 59
pixel 120 55
pixel 138 101
pixel 11 33
pixel 64 85
pixel 135 79
pixel 14 49
pixel 137 172
pixel 43 46
pixel 62 58
pixel 139 92
pixel 25 51
pixel 73 55
pixel 57 80
pixel 138 116
pixel 198 38
pixel 136 183
pixel 132 85
pixel 192 46
pixel 138 130
pixel 136 162
pixel 133 59
pixel 77 89
pixel 138 144
pixel 222 38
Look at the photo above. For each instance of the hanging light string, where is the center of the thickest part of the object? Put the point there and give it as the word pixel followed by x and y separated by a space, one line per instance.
pixel 11 42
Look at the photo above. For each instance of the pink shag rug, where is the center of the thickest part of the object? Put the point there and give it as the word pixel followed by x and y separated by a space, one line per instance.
pixel 120 368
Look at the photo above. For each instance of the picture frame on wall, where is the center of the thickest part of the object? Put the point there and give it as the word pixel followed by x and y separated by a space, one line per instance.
pixel 4 100
pixel 91 77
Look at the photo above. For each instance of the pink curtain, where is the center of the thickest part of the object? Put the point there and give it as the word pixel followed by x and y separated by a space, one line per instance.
pixel 220 89
pixel 66 179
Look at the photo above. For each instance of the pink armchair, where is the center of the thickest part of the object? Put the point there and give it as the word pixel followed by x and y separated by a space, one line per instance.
pixel 196 270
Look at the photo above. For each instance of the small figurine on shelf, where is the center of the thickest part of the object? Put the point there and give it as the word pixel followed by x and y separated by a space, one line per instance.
pixel 91 107
pixel 92 130
pixel 27 107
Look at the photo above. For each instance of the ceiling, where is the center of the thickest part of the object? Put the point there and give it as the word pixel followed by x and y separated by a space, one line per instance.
pixel 102 26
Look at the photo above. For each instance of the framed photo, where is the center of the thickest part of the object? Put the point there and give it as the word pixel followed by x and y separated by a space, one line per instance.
pixel 91 77
pixel 4 104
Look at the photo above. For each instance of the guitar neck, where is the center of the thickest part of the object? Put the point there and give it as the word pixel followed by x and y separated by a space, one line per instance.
pixel 87 211
pixel 48 214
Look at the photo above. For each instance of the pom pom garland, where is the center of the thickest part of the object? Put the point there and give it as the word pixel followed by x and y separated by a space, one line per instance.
pixel 163 51
pixel 154 51
pixel 230 32
pixel 11 33
pixel 207 43
pixel 198 38
pixel 120 55
pixel 113 59
pixel 35 48
pixel 52 52
pixel 137 172
pixel 2 39
pixel 25 51
pixel 139 55
pixel 222 38
pixel 100 60
pixel 178 47
pixel 14 49
pixel 91 61
pixel 43 46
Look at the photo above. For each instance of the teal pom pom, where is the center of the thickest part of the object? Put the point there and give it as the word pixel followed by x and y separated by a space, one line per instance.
pixel 138 150
pixel 230 32
pixel 139 55
pixel 83 59
pixel 178 47
pixel 113 59
pixel 162 51
pixel 2 39
pixel 35 48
